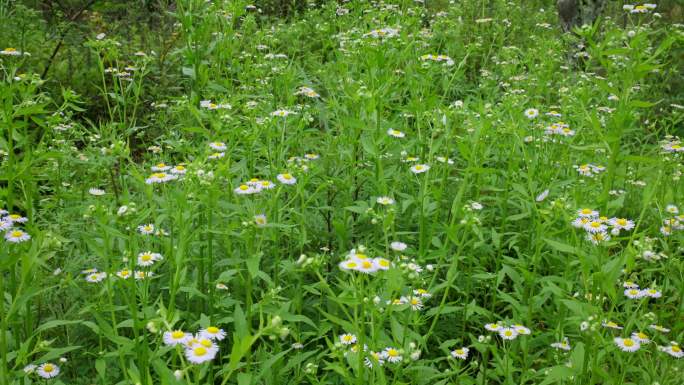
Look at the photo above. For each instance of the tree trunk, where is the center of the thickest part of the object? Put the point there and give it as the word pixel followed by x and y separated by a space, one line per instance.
pixel 575 13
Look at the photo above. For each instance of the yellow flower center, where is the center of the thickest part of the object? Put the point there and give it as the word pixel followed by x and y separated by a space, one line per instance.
pixel 159 175
pixel 367 264
pixel 287 176
pixel 459 351
pixel 385 263
pixel 180 168
pixel 47 368
pixel 146 257
pixel 621 221
pixel 200 351
pixel 611 324
pixel 16 234
pixel 160 165
pixel 676 349
pixel 177 334
pixel 347 338
pixel 265 183
pixel 124 273
pixel 206 343
pixel 508 333
pixel 586 211
pixel 419 167
pixel 642 336
pixel 213 329
pixel 628 342
pixel 351 265
pixel 392 352
pixel 244 187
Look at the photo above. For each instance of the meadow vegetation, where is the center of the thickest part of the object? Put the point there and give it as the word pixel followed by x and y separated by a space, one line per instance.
pixel 399 192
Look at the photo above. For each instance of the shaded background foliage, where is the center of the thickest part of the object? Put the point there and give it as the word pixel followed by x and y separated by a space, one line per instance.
pixel 56 31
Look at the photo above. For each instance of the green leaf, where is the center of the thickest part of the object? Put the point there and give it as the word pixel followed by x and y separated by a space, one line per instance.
pixel 560 246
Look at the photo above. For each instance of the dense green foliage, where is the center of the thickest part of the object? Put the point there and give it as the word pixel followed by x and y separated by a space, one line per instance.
pixel 356 193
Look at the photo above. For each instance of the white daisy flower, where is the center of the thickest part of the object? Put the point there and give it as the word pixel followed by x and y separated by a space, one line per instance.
pixel 367 266
pixel 641 337
pixel 621 223
pixel 493 327
pixel 213 333
pixel 398 246
pixel 48 370
pixel 522 330
pixel 199 354
pixel 30 368
pixel 395 133
pixel 542 195
pixel 580 222
pixel 595 226
pixel 374 358
pixel 392 355
pixel 146 229
pixel 563 345
pixel 148 258
pixel 96 191
pixel 587 213
pixel 508 333
pixel 286 178
pixel 420 168
pixel 347 339
pixel 260 220
pixel 627 344
pixel 282 113
pixel 96 277
pixel 349 264
pixel 16 236
pixel 15 218
pixel 176 337
pixel 674 350
pixel 179 170
pixel 382 263
pixel 672 209
pixel 160 177
pixel 414 302
pixel 659 328
pixel 138 275
pixel 653 293
pixel 531 113
pixel 598 238
pixel 217 155
pixel 160 167
pixel 385 201
pixel 611 325
pixel 461 353
pixel 244 189
pixel 422 293
pixel 123 274
pixel 218 146
pixel 633 293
